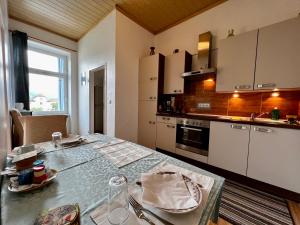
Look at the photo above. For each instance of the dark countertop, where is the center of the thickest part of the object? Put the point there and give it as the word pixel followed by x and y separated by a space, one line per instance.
pixel 231 119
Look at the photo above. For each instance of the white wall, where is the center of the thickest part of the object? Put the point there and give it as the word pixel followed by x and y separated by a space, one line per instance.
pixel 240 15
pixel 5 141
pixel 96 49
pixel 132 42
pixel 70 47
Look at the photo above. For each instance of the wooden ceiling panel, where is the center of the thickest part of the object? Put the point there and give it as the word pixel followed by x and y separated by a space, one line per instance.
pixel 73 18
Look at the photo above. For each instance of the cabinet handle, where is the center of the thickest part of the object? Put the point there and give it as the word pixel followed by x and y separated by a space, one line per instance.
pixel 154 97
pixel 267 85
pixel 175 91
pixel 179 90
pixel 242 87
pixel 150 97
pixel 153 122
pixel 150 122
pixel 240 127
pixel 170 126
pixel 166 118
pixel 153 78
pixel 264 130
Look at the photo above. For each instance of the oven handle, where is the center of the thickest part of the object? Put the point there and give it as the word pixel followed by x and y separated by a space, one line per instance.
pixel 189 128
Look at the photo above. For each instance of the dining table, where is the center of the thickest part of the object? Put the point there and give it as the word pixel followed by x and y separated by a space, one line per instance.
pixel 83 176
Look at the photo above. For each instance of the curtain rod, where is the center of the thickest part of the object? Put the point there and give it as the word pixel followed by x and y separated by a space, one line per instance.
pixel 37 39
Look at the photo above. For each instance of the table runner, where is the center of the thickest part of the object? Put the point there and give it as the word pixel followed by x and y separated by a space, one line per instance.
pixel 86 184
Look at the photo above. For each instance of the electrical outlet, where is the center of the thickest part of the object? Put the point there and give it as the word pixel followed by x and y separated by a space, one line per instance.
pixel 203 105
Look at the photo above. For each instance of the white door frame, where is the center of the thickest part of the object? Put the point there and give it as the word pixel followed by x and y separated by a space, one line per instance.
pixel 92 95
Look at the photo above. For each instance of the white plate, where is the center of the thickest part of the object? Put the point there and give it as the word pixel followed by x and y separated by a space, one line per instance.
pixel 195 191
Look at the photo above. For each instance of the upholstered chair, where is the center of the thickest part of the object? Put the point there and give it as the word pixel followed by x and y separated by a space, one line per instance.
pixel 35 129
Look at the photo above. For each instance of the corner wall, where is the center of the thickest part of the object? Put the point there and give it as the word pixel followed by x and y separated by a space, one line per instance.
pixel 132 43
pixel 95 49
pixel 240 15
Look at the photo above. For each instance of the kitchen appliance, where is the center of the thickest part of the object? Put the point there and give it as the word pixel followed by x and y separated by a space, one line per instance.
pixel 193 136
pixel 201 62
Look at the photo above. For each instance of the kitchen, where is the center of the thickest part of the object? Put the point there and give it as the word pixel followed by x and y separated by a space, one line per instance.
pixel 233 107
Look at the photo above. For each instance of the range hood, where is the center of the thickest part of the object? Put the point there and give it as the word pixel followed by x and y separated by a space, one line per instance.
pixel 201 62
pixel 199 72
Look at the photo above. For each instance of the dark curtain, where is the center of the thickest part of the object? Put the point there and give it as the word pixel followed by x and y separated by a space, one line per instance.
pixel 20 61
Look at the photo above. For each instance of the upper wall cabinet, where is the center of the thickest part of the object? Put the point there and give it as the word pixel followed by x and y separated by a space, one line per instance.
pixel 278 56
pixel 175 66
pixel 150 72
pixel 236 62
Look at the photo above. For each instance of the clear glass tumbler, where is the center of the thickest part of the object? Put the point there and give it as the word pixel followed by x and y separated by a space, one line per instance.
pixel 56 139
pixel 118 205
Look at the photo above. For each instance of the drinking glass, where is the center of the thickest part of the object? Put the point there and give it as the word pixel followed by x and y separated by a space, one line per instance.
pixel 118 205
pixel 56 139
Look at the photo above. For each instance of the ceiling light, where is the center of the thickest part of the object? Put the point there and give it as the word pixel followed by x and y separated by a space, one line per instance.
pixel 236 95
pixel 275 94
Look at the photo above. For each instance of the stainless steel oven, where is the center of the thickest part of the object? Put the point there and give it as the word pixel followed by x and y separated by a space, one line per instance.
pixel 193 135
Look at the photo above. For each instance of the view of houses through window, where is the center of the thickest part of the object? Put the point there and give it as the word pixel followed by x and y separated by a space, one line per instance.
pixel 47 81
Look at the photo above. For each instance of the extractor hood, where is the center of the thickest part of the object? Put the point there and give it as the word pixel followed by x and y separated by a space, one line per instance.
pixel 199 72
pixel 201 62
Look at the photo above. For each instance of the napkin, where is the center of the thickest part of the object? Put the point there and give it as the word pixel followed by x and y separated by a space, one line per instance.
pixel 167 191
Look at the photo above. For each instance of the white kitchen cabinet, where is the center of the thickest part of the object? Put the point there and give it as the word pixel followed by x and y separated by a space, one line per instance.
pixel 175 65
pixel 166 136
pixel 228 146
pixel 147 124
pixel 150 75
pixel 236 62
pixel 274 155
pixel 278 56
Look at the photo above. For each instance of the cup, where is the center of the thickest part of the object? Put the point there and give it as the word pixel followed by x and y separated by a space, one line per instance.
pixel 56 139
pixel 118 204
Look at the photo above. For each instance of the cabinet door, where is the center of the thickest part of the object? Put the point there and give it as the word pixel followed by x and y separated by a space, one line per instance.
pixel 236 62
pixel 174 68
pixel 147 123
pixel 166 136
pixel 278 56
pixel 274 155
pixel 228 146
pixel 148 77
pixel 148 68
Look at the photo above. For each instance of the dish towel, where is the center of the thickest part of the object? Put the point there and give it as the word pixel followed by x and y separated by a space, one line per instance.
pixel 124 153
pixel 191 218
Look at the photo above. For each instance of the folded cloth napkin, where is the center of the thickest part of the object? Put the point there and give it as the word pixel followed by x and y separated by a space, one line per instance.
pixel 167 191
pixel 71 140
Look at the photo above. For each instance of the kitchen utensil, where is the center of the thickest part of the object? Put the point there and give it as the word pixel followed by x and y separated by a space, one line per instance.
pixel 142 216
pixel 137 205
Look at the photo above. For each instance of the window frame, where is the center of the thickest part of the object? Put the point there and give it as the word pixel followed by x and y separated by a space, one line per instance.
pixel 63 75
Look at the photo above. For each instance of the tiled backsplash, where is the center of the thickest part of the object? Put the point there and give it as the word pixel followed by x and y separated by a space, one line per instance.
pixel 235 104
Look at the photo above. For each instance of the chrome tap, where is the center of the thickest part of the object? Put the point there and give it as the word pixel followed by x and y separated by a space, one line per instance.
pixel 253 115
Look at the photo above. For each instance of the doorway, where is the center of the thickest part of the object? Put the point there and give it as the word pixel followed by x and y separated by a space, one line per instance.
pixel 97 86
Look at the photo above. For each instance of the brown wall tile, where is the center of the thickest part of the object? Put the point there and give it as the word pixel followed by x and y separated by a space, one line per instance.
pixel 197 90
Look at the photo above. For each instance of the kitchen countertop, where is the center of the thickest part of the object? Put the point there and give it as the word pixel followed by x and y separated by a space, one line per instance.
pixel 233 119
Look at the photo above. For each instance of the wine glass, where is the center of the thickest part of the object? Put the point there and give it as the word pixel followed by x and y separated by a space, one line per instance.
pixel 57 139
pixel 118 204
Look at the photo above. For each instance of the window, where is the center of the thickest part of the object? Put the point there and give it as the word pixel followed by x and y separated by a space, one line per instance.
pixel 47 80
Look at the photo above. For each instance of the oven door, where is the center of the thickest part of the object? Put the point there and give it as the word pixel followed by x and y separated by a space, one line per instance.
pixel 193 139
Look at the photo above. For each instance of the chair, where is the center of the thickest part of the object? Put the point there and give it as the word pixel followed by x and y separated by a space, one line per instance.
pixel 35 129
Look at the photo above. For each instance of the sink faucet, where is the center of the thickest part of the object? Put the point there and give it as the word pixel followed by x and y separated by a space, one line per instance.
pixel 253 115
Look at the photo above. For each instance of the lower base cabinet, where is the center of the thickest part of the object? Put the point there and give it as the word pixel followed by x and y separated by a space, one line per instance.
pixel 274 156
pixel 228 146
pixel 147 123
pixel 166 136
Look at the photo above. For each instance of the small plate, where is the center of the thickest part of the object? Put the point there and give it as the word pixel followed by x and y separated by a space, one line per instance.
pixel 15 187
pixel 194 189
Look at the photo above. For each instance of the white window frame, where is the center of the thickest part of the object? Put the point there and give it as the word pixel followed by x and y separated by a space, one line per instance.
pixel 63 75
